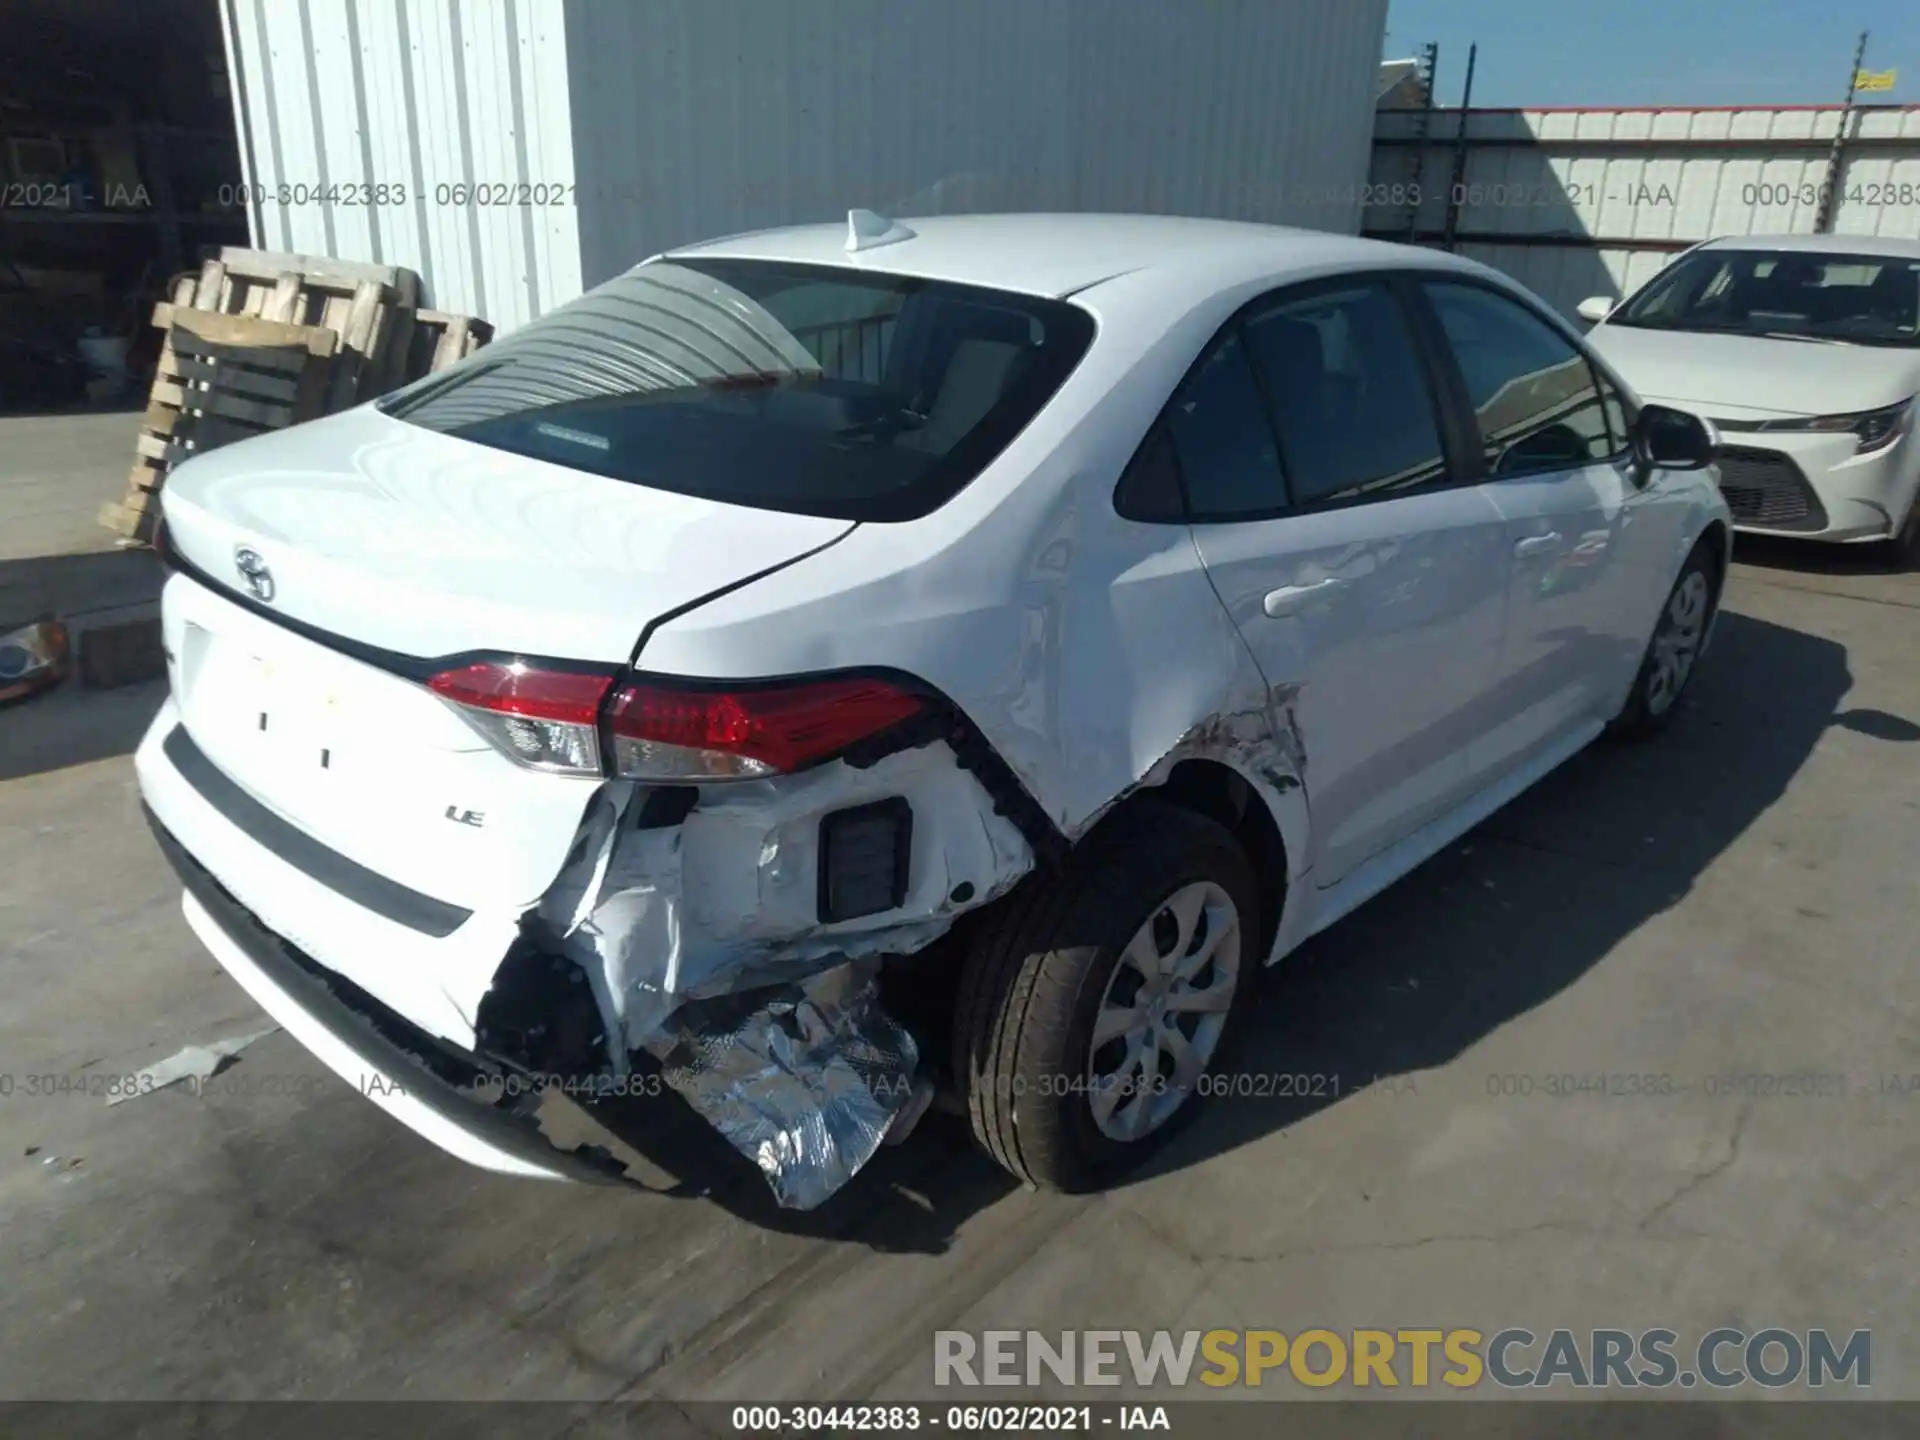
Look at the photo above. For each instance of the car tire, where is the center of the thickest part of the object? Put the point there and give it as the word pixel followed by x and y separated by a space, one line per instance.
pixel 1903 550
pixel 1152 888
pixel 1673 651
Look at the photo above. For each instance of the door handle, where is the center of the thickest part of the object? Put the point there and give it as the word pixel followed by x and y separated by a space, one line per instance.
pixel 1537 545
pixel 1289 599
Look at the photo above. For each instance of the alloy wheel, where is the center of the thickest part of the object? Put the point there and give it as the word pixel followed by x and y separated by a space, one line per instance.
pixel 1164 1010
pixel 1676 643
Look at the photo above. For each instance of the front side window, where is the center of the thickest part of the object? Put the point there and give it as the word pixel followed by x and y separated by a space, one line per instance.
pixel 1619 414
pixel 1533 392
pixel 1348 393
pixel 809 389
pixel 1783 294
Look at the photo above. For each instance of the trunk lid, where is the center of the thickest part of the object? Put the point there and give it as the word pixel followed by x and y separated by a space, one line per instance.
pixel 408 540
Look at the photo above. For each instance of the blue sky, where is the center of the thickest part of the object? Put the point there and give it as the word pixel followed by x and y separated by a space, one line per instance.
pixel 1660 52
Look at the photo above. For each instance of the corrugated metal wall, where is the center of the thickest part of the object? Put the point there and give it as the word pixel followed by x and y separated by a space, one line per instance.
pixel 636 125
pixel 697 118
pixel 358 118
pixel 1575 203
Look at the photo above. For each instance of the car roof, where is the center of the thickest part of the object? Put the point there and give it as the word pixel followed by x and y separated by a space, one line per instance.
pixel 1892 246
pixel 1062 254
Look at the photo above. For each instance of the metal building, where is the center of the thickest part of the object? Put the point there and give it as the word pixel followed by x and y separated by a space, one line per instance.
pixel 516 151
pixel 1579 202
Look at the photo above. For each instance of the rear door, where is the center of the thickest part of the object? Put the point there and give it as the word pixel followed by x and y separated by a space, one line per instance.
pixel 1590 549
pixel 1370 582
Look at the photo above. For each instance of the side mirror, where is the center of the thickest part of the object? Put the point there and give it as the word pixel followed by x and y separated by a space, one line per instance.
pixel 1595 308
pixel 1668 439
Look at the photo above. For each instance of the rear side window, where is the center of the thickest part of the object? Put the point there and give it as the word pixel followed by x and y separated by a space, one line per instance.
pixel 1222 439
pixel 799 388
pixel 1349 395
pixel 1532 391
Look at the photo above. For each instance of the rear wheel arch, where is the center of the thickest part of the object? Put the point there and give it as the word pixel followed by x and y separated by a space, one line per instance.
pixel 1221 793
pixel 1247 809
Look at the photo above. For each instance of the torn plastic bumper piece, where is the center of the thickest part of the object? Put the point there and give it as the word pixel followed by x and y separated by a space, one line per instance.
pixel 805 1079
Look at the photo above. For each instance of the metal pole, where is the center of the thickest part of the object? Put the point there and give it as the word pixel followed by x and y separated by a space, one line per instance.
pixel 1429 71
pixel 1836 158
pixel 1457 184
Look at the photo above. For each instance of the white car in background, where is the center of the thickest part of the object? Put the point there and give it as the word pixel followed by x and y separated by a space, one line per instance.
pixel 825 661
pixel 1804 351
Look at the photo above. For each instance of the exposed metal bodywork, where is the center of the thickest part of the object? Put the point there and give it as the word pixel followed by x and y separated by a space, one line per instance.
pixel 806 1082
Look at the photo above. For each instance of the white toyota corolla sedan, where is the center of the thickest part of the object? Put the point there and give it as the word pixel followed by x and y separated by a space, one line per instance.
pixel 1805 351
pixel 825 670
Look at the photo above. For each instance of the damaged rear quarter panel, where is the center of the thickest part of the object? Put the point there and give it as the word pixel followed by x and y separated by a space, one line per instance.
pixel 729 898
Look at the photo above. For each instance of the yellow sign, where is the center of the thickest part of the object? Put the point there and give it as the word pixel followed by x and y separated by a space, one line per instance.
pixel 1875 79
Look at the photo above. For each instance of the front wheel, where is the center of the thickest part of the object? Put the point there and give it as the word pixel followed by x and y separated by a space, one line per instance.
pixel 1678 637
pixel 1903 550
pixel 1093 1007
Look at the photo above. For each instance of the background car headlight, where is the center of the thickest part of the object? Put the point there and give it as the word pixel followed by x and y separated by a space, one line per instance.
pixel 32 657
pixel 1877 429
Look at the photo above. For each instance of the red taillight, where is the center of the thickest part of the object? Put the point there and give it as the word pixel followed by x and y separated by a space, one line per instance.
pixel 667 733
pixel 517 688
pixel 544 719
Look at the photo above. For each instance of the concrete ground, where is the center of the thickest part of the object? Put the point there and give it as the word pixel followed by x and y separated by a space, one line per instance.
pixel 1735 899
pixel 56 471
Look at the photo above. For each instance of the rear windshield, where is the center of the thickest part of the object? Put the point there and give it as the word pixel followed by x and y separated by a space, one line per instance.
pixel 817 390
pixel 1789 295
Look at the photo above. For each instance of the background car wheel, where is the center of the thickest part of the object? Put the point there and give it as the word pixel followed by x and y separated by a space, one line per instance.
pixel 1674 649
pixel 1903 551
pixel 1094 1001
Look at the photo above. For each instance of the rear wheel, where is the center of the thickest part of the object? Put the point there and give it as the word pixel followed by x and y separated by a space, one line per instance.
pixel 1096 1002
pixel 1678 636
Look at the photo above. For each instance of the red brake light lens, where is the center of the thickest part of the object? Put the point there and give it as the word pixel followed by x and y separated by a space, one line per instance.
pixel 667 733
pixel 517 688
pixel 544 719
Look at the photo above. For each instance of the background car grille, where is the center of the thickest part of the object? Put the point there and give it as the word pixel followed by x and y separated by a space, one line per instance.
pixel 1765 488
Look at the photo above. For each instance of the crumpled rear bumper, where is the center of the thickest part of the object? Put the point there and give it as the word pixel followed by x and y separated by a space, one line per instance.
pixel 804 1079
pixel 411 1076
pixel 437 1013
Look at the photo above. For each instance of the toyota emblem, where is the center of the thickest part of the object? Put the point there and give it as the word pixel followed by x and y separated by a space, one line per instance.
pixel 253 570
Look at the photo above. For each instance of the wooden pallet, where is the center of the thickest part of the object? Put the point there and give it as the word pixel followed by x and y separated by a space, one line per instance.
pixel 440 340
pixel 271 306
pixel 221 378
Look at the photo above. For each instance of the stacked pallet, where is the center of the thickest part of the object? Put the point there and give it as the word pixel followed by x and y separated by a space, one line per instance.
pixel 260 340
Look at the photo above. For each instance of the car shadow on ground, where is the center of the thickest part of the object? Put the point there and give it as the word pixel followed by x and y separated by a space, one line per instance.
pixel 1812 557
pixel 107 600
pixel 1511 916
pixel 71 725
